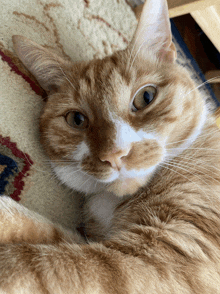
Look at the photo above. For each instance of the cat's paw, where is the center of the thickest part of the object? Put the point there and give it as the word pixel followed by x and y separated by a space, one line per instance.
pixel 18 224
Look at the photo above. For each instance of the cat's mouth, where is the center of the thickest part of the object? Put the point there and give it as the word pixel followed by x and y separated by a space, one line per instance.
pixel 135 171
pixel 124 175
pixel 121 183
pixel 125 182
pixel 92 175
pixel 125 186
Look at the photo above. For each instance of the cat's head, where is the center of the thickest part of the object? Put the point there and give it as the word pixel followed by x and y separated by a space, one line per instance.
pixel 108 124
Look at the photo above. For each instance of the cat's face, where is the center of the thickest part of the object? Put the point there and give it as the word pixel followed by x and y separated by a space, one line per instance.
pixel 108 124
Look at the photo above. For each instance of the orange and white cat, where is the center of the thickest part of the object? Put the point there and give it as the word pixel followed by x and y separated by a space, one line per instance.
pixel 130 131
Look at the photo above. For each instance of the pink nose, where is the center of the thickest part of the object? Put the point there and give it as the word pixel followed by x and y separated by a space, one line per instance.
pixel 115 158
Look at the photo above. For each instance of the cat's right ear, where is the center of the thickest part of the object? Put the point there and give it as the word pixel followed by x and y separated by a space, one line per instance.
pixel 153 32
pixel 47 67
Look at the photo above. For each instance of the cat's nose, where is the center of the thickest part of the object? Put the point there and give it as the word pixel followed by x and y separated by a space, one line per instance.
pixel 115 158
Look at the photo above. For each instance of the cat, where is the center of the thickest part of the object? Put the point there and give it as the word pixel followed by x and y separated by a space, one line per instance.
pixel 132 132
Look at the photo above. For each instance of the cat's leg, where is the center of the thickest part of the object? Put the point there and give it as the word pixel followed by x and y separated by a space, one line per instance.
pixel 98 214
pixel 18 224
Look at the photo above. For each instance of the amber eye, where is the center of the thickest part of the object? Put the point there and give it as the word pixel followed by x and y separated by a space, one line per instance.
pixel 77 120
pixel 144 97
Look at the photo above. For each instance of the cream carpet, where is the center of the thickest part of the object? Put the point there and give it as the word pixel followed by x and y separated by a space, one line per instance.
pixel 78 30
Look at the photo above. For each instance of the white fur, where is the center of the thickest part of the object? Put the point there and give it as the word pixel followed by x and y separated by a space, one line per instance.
pixel 76 179
pixel 124 174
pixel 125 135
pixel 102 206
pixel 81 151
pixel 147 136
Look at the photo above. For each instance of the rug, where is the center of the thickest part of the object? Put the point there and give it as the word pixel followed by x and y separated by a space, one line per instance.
pixel 78 30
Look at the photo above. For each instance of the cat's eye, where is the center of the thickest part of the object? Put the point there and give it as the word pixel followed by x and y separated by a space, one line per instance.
pixel 144 97
pixel 77 120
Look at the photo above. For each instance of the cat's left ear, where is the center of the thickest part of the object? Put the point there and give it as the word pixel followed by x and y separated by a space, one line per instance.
pixel 153 33
pixel 47 67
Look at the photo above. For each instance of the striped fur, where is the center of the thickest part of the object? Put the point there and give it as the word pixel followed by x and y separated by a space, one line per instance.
pixel 152 176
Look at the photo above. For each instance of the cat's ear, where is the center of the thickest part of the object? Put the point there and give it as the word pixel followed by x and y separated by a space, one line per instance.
pixel 154 32
pixel 47 67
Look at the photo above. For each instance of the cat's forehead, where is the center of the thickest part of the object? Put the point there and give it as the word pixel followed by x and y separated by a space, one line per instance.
pixel 104 84
pixel 109 84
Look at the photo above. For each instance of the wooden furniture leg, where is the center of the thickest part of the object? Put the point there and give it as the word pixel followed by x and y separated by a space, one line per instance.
pixel 180 7
pixel 209 21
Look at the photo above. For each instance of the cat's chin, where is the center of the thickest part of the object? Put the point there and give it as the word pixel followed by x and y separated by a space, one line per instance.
pixel 128 186
pixel 125 183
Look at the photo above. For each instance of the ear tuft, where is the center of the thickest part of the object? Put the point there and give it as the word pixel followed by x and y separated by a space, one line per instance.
pixel 47 67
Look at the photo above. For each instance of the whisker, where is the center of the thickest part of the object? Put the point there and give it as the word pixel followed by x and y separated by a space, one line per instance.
pixel 33 165
pixel 183 164
pixel 174 165
pixel 183 156
pixel 197 87
pixel 58 93
pixel 200 136
pixel 83 184
pixel 204 83
pixel 200 162
pixel 63 161
pixel 185 178
pixel 199 148
pixel 96 184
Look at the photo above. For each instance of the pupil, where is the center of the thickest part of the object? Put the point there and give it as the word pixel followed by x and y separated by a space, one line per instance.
pixel 147 97
pixel 78 118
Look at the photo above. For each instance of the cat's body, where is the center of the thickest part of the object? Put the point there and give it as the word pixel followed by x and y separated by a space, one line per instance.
pixel 131 131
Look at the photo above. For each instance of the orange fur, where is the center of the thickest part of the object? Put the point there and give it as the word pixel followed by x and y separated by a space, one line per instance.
pixel 155 217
